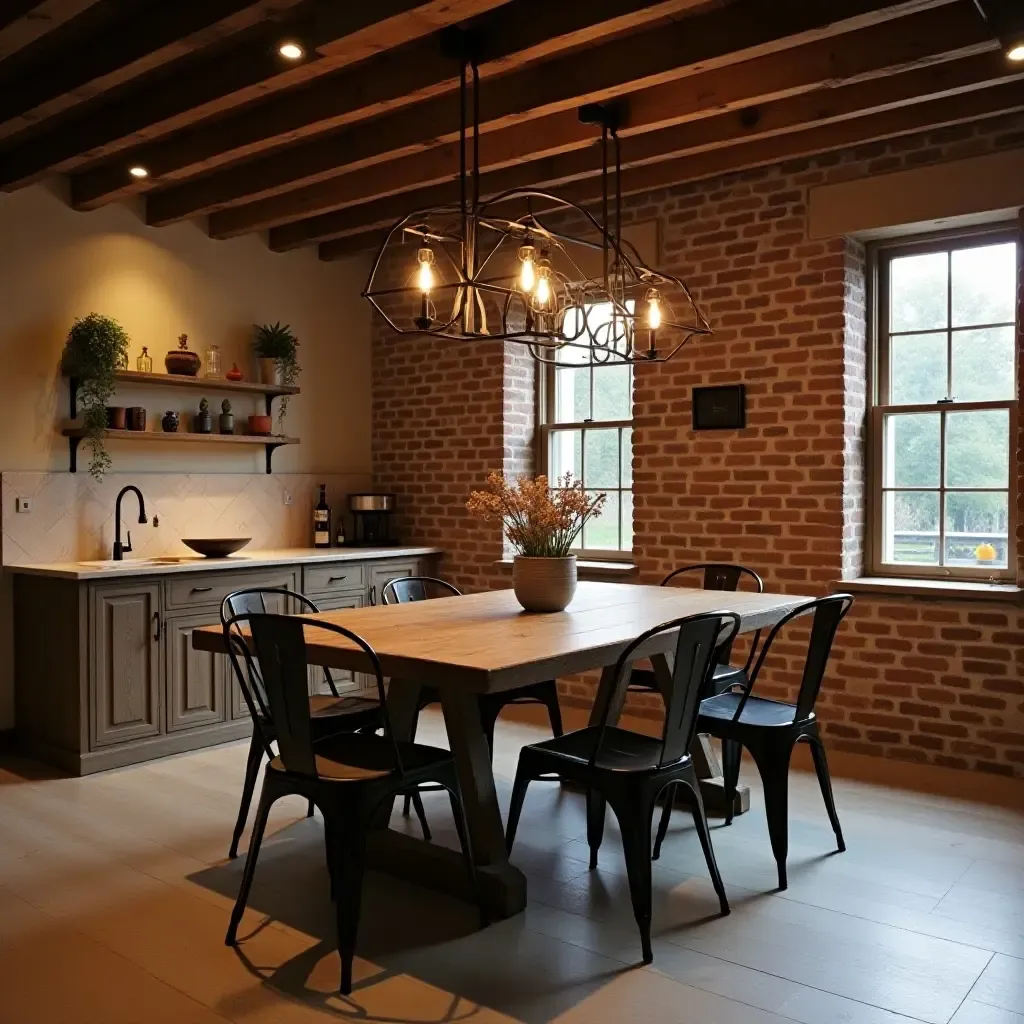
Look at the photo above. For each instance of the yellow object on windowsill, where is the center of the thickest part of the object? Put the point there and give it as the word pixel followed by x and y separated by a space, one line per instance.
pixel 985 553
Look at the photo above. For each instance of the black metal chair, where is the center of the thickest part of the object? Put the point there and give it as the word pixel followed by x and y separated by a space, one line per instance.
pixel 629 770
pixel 770 729
pixel 348 776
pixel 330 713
pixel 716 576
pixel 424 588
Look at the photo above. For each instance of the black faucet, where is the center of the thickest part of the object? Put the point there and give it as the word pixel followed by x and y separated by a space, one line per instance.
pixel 121 549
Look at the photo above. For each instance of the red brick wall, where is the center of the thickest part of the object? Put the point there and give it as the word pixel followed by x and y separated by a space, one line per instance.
pixel 936 682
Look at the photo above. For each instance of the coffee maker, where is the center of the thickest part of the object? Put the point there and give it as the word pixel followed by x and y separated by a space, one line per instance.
pixel 371 519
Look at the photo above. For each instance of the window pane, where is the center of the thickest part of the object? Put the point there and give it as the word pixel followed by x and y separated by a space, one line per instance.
pixel 917 368
pixel 918 292
pixel 601 461
pixel 912 446
pixel 572 394
pixel 566 447
pixel 602 533
pixel 983 365
pixel 627 520
pixel 985 285
pixel 978 448
pixel 627 457
pixel 612 398
pixel 910 526
pixel 976 529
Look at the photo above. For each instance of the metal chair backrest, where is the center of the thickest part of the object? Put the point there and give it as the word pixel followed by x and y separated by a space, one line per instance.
pixel 253 601
pixel 723 576
pixel 417 588
pixel 280 646
pixel 700 636
pixel 828 612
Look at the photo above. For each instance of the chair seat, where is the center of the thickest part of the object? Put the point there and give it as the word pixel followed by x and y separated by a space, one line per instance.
pixel 355 757
pixel 621 750
pixel 757 711
pixel 326 705
pixel 641 680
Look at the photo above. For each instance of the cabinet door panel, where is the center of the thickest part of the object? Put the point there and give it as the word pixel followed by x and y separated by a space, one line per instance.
pixel 196 680
pixel 125 663
pixel 343 680
pixel 382 573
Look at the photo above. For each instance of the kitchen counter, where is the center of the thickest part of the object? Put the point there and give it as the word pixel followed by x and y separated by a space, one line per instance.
pixel 172 564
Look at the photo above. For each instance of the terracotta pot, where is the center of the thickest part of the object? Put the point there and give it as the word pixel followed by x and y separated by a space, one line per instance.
pixel 261 424
pixel 270 372
pixel 116 417
pixel 544 584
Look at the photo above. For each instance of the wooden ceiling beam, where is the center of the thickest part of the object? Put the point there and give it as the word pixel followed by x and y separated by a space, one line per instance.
pixel 923 39
pixel 91 63
pixel 516 33
pixel 245 69
pixel 22 22
pixel 368 221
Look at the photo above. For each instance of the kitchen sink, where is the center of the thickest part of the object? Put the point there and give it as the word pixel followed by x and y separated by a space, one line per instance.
pixel 127 563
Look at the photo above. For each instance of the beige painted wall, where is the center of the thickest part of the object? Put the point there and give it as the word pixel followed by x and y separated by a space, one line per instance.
pixel 56 264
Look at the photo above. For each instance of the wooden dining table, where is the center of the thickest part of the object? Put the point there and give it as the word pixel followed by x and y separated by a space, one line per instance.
pixel 483 643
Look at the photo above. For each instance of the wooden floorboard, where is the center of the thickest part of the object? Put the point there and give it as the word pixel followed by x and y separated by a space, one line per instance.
pixel 115 892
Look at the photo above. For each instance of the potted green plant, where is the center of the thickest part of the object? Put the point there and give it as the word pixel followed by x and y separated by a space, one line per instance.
pixel 542 524
pixel 276 350
pixel 96 348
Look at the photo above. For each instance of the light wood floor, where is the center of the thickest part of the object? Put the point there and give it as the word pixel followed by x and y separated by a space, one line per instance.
pixel 115 892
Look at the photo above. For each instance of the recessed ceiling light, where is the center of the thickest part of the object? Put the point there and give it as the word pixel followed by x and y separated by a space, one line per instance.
pixel 291 50
pixel 138 172
pixel 1016 52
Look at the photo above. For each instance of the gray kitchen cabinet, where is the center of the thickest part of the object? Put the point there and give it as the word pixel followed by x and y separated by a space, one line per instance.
pixel 125 662
pixel 105 671
pixel 198 682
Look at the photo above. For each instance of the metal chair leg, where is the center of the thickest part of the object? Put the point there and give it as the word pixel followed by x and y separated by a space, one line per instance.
pixel 596 811
pixel 666 814
pixel 252 770
pixel 825 782
pixel 515 807
pixel 635 824
pixel 262 814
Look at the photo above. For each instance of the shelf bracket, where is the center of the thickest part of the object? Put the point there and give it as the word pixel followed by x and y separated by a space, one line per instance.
pixel 73 397
pixel 269 401
pixel 270 446
pixel 73 443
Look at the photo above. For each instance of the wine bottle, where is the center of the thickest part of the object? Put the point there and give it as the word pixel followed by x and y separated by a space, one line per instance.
pixel 340 535
pixel 322 521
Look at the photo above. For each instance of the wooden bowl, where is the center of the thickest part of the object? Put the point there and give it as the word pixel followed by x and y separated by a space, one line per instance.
pixel 216 547
pixel 261 425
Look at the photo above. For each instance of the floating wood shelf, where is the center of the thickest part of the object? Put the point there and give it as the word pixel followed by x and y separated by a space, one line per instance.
pixel 74 433
pixel 270 442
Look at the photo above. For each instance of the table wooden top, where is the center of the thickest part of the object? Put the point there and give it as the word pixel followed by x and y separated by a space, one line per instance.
pixel 487 642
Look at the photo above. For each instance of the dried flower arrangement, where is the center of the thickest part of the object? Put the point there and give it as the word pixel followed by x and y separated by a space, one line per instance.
pixel 539 521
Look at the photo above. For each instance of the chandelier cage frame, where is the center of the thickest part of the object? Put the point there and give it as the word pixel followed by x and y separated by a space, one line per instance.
pixel 564 322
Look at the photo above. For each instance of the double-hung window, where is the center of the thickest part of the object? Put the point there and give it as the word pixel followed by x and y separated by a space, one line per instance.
pixel 943 483
pixel 587 431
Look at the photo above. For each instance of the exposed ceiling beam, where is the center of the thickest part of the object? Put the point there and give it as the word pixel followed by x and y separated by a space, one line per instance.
pixel 244 69
pixel 714 38
pixel 516 33
pixel 22 22
pixel 147 38
pixel 923 38
pixel 970 106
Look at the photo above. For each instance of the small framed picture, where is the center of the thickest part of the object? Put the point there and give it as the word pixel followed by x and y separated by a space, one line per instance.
pixel 722 408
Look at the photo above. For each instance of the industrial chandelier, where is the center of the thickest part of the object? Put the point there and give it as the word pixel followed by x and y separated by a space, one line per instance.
pixel 492 269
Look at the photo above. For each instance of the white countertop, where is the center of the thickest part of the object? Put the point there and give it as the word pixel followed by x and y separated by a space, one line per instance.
pixel 166 565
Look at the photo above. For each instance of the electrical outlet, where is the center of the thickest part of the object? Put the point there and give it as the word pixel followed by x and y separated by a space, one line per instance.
pixel 22 504
pixel 287 497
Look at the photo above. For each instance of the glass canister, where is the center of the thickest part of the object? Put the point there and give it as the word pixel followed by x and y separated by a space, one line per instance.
pixel 144 364
pixel 212 362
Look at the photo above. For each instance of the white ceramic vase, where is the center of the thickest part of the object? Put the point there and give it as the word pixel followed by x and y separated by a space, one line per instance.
pixel 270 372
pixel 544 584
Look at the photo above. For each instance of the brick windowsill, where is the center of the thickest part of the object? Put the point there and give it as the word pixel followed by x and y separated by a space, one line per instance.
pixel 588 570
pixel 933 590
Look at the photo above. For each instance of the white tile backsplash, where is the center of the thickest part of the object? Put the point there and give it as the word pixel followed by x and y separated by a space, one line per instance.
pixel 72 515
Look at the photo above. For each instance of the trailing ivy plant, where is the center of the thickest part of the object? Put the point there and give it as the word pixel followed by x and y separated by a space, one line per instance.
pixel 277 342
pixel 96 348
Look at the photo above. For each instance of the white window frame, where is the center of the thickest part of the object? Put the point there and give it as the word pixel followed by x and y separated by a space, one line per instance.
pixel 880 256
pixel 548 428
